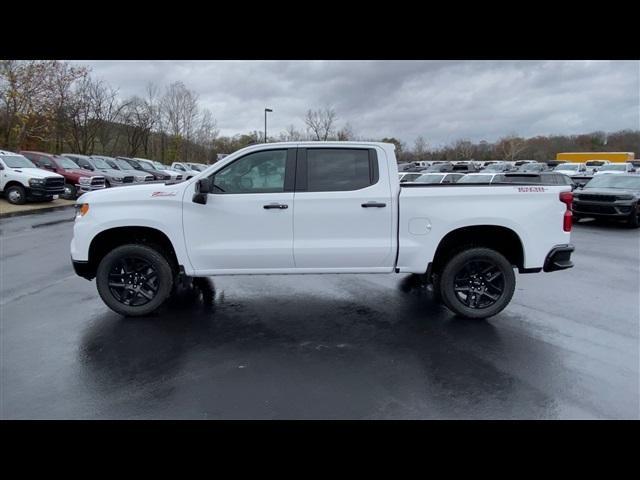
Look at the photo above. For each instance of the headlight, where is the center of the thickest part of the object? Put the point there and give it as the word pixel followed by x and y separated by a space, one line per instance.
pixel 36 181
pixel 85 180
pixel 117 179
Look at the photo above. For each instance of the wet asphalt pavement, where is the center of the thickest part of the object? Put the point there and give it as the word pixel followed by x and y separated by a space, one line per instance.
pixel 318 346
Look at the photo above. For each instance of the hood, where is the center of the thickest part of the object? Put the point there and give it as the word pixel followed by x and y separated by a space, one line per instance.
pixel 134 193
pixel 35 172
pixel 82 172
pixel 115 173
pixel 607 191
pixel 611 172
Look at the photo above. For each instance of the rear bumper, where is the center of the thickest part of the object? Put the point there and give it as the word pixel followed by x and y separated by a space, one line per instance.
pixel 559 258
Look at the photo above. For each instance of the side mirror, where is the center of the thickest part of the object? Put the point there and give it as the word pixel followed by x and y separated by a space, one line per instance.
pixel 203 187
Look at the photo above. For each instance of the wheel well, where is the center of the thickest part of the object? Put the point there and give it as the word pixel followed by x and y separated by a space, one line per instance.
pixel 501 239
pixel 107 240
pixel 13 183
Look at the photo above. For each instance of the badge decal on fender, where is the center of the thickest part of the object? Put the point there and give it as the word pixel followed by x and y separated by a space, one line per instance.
pixel 163 194
pixel 532 189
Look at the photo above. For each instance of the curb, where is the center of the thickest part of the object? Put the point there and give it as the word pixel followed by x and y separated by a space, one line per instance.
pixel 35 211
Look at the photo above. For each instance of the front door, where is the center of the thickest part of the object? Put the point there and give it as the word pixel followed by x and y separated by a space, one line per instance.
pixel 247 222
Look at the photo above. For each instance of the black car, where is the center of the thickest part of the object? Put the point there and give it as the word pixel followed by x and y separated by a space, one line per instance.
pixel 609 196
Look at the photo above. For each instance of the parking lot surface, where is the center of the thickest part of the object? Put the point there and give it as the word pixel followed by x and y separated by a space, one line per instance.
pixel 318 346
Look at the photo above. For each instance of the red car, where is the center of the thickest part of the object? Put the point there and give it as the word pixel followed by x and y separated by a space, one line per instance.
pixel 77 180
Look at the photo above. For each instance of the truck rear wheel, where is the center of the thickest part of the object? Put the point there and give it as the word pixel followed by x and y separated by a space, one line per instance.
pixel 134 280
pixel 477 283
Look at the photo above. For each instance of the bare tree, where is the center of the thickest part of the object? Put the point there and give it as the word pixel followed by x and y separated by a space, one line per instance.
pixel 179 107
pixel 291 134
pixel 320 122
pixel 420 147
pixel 346 133
pixel 511 146
pixel 463 149
pixel 90 112
pixel 137 119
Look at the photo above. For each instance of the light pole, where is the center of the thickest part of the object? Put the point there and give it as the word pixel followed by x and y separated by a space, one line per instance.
pixel 265 123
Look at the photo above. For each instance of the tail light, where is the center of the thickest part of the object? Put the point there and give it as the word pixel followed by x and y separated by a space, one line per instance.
pixel 567 199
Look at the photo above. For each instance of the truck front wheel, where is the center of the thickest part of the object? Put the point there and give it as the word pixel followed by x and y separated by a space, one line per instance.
pixel 16 194
pixel 477 283
pixel 134 279
pixel 70 192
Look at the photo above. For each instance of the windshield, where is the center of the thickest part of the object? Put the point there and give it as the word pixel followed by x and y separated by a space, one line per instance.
pixel 143 164
pixel 531 167
pixel 158 165
pixel 475 179
pixel 429 178
pixel 568 166
pixel 17 161
pixel 613 168
pixel 100 163
pixel 630 182
pixel 124 165
pixel 66 162
pixel 495 167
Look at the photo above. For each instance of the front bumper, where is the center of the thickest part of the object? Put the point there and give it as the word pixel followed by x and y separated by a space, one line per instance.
pixel 618 209
pixel 84 188
pixel 559 258
pixel 83 269
pixel 44 192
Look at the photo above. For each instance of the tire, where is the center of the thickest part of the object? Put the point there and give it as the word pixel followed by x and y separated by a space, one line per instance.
pixel 70 192
pixel 634 220
pixel 124 265
pixel 466 270
pixel 16 194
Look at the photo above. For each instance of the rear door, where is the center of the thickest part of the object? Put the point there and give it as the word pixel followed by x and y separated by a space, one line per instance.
pixel 342 215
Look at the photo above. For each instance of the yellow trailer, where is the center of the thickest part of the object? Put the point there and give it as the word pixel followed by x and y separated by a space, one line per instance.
pixel 581 157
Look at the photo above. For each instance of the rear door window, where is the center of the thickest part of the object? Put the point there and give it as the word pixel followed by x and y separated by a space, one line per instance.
pixel 336 169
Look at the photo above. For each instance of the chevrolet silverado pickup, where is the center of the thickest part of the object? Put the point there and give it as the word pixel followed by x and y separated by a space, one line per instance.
pixel 319 207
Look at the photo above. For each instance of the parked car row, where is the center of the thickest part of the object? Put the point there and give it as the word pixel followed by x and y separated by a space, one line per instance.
pixel 609 193
pixel 69 175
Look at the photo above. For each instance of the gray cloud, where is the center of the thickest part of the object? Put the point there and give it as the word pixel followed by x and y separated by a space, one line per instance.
pixel 440 100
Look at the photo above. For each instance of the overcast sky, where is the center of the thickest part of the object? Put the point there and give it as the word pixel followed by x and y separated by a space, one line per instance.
pixel 440 100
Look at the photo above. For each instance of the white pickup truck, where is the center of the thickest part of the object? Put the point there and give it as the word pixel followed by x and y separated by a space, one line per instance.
pixel 319 207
